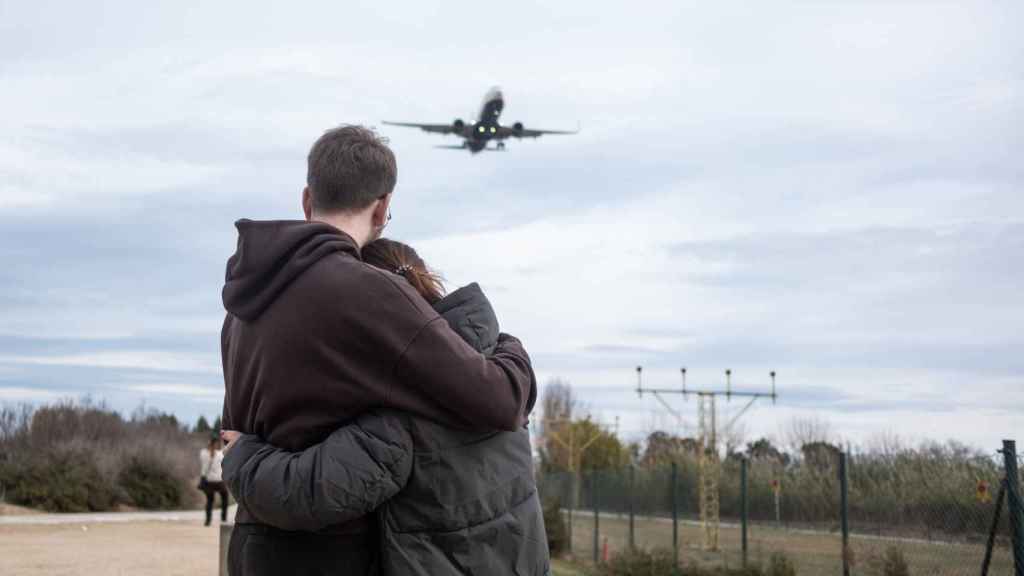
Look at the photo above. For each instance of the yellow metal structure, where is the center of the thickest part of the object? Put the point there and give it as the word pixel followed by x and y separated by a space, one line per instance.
pixel 710 462
pixel 710 471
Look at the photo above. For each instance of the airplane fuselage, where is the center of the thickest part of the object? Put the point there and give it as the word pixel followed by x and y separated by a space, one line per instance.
pixel 478 133
pixel 486 126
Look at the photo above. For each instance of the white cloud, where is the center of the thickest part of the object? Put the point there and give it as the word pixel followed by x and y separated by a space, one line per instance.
pixel 48 174
pixel 20 394
pixel 138 359
pixel 209 393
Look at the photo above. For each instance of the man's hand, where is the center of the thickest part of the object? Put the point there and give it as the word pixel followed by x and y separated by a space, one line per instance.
pixel 229 437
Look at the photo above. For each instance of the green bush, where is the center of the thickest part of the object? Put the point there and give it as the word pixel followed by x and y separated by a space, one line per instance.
pixel 555 527
pixel 60 481
pixel 640 563
pixel 780 565
pixel 658 562
pixel 149 483
pixel 895 564
pixel 891 563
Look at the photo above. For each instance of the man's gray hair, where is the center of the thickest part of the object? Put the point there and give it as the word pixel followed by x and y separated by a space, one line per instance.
pixel 349 168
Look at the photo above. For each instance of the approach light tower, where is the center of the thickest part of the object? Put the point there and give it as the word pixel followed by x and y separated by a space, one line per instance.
pixel 710 464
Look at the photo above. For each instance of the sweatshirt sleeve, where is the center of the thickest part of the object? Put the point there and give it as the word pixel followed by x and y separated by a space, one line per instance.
pixel 467 387
pixel 348 475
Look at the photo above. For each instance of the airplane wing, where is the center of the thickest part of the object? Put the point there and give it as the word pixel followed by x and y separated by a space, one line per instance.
pixel 515 131
pixel 435 128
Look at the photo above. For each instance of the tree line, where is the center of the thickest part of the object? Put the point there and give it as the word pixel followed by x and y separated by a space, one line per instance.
pixel 933 489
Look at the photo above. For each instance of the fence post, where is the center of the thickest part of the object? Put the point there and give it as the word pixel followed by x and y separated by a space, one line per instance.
pixel 844 503
pixel 632 508
pixel 990 545
pixel 1015 505
pixel 597 514
pixel 675 516
pixel 572 503
pixel 744 510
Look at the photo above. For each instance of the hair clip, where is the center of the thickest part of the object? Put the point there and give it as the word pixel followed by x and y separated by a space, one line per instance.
pixel 403 270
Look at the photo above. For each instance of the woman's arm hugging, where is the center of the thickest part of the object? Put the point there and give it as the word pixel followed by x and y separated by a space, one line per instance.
pixel 357 468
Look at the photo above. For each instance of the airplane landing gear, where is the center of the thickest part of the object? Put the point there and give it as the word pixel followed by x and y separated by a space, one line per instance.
pixel 501 145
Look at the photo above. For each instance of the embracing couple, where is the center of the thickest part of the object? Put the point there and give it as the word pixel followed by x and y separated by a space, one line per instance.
pixel 375 424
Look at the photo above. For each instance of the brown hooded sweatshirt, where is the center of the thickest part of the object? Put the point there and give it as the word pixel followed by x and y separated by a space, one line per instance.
pixel 314 337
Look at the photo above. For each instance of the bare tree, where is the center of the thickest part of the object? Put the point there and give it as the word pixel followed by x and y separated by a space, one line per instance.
pixel 558 405
pixel 734 437
pixel 558 402
pixel 886 446
pixel 800 432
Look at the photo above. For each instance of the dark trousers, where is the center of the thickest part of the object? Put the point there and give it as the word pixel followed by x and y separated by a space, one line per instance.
pixel 216 488
pixel 257 550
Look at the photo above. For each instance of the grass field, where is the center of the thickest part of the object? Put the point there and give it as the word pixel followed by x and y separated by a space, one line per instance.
pixel 813 552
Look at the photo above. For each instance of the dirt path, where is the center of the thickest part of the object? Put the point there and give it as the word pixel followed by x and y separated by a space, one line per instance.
pixel 125 548
pixel 25 517
pixel 129 543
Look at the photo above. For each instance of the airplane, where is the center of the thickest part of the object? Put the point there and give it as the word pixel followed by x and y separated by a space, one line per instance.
pixel 476 135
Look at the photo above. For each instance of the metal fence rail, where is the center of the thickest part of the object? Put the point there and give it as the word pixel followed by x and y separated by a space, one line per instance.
pixel 855 515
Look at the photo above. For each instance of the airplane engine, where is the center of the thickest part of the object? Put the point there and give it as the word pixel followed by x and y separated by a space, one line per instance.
pixel 518 127
pixel 458 125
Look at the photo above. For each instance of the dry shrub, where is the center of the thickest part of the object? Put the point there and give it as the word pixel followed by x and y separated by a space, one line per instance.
pixel 658 562
pixel 891 563
pixel 61 480
pixel 640 562
pixel 555 527
pixel 150 484
pixel 780 565
pixel 76 457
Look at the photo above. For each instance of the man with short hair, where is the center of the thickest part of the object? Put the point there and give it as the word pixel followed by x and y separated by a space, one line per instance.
pixel 314 337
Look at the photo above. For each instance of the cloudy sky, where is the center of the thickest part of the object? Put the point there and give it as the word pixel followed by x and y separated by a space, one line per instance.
pixel 830 190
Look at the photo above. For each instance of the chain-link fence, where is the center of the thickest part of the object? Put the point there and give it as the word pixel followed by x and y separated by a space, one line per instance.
pixel 930 514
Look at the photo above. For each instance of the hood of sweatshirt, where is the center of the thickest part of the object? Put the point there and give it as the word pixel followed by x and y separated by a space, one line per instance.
pixel 270 255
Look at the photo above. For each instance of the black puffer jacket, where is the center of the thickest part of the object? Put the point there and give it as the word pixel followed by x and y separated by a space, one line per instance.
pixel 450 501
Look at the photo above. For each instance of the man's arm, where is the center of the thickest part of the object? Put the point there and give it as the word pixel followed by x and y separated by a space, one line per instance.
pixel 356 469
pixel 443 377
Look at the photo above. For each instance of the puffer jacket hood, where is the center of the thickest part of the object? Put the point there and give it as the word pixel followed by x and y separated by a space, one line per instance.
pixel 270 255
pixel 470 314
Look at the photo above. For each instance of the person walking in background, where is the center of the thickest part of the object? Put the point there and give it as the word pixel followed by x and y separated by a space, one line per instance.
pixel 210 480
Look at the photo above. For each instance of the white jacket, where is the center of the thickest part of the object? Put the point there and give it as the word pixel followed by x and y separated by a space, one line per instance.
pixel 210 468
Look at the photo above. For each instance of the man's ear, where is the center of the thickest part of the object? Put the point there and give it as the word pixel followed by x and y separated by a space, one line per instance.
pixel 380 211
pixel 307 203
